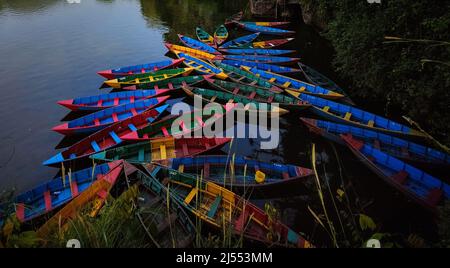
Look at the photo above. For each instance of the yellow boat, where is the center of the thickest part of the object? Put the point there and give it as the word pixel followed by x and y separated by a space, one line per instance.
pixel 146 78
pixel 193 52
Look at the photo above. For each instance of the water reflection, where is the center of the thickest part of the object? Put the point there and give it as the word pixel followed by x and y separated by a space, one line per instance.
pixel 183 16
pixel 26 6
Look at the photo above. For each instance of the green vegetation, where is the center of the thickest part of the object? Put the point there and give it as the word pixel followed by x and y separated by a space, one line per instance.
pixel 407 76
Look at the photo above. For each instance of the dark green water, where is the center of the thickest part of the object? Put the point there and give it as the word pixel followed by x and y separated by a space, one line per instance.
pixel 51 50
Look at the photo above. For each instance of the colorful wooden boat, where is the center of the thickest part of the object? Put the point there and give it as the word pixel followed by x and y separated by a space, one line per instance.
pixel 220 35
pixel 240 76
pixel 223 209
pixel 139 69
pixel 99 102
pixel 262 66
pixel 193 52
pixel 271 43
pixel 262 59
pixel 57 192
pixel 248 103
pixel 258 94
pixel 267 23
pixel 201 66
pixel 138 79
pixel 394 146
pixel 170 84
pixel 195 44
pixel 101 119
pixel 159 212
pixel 257 51
pixel 293 84
pixel 240 41
pixel 421 187
pixel 239 172
pixel 106 138
pixel 342 113
pixel 204 36
pixel 96 194
pixel 319 79
pixel 161 149
pixel 187 124
pixel 264 29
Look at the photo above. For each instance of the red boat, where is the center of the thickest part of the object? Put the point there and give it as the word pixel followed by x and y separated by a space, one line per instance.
pixel 101 119
pixel 99 102
pixel 106 138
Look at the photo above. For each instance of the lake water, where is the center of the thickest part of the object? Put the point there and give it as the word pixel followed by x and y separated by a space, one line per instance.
pixel 50 50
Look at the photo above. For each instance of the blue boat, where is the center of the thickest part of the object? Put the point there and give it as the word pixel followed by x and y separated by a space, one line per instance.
pixel 240 41
pixel 421 187
pixel 201 66
pixel 99 102
pixel 342 113
pixel 397 147
pixel 195 44
pixel 293 84
pixel 244 171
pixel 262 66
pixel 257 51
pixel 262 59
pixel 101 119
pixel 264 29
pixel 57 192
pixel 139 69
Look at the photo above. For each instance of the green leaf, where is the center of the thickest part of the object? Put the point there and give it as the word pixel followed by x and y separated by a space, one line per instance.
pixel 365 222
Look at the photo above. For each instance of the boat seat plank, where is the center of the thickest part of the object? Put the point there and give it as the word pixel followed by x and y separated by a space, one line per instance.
pixel 347 116
pixel 48 201
pixel 95 146
pixel 214 206
pixel 74 188
pixel 116 101
pixel 286 84
pixel 163 151
pixel 132 99
pixel 96 121
pixel 190 196
pixel 236 90
pixel 181 168
pixel 100 102
pixel 165 132
pixel 252 95
pixel 326 108
pixel 132 127
pixel 134 112
pixel 115 118
pixel 141 155
pixel 115 137
pixel 370 123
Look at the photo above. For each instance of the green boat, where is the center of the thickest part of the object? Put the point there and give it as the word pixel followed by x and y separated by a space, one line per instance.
pixel 204 36
pixel 220 35
pixel 163 128
pixel 258 93
pixel 138 79
pixel 160 149
pixel 240 76
pixel 171 83
pixel 209 95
